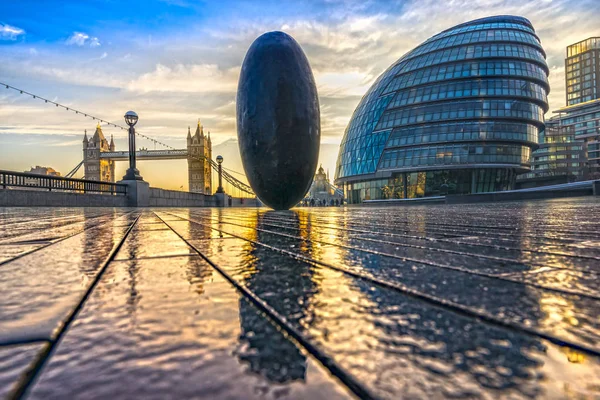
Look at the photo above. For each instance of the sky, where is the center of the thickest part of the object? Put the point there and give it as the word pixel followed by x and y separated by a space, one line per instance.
pixel 177 61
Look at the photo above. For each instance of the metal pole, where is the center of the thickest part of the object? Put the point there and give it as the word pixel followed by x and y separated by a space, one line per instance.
pixel 220 188
pixel 131 148
pixel 132 173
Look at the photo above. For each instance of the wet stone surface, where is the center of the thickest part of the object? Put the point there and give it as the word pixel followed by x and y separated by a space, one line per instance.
pixel 188 303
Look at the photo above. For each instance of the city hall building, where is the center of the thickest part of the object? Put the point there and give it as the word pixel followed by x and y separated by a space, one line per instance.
pixel 458 114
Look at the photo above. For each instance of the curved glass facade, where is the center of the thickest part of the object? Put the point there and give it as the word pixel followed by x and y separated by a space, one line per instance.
pixel 458 114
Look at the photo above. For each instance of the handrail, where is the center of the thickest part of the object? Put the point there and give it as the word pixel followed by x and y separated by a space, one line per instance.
pixel 59 183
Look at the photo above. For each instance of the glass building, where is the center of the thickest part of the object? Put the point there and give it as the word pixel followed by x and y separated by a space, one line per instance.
pixel 582 66
pixel 584 120
pixel 570 149
pixel 458 114
pixel 559 159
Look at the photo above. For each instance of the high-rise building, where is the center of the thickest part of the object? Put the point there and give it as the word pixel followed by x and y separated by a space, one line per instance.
pixel 570 147
pixel 582 67
pixel 458 114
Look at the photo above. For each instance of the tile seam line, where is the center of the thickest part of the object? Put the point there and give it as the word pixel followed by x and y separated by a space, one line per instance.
pixel 345 378
pixel 441 250
pixel 452 241
pixel 459 228
pixel 8 240
pixel 429 264
pixel 434 300
pixel 505 231
pixel 26 222
pixel 33 371
pixel 59 240
pixel 24 342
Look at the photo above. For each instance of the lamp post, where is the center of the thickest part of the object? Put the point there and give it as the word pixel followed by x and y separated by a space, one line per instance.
pixel 220 161
pixel 132 174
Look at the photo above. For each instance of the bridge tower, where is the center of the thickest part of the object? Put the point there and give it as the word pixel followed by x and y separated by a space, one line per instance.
pixel 199 149
pixel 96 168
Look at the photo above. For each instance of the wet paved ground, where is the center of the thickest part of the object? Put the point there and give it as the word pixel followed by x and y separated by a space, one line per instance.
pixel 468 301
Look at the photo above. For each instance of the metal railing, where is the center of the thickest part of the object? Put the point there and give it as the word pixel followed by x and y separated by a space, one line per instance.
pixel 9 179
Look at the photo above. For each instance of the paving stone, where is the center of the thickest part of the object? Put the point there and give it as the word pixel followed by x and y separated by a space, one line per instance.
pixel 14 360
pixel 176 329
pixel 393 296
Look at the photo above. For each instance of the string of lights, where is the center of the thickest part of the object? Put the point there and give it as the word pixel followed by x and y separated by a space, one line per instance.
pixel 84 114
pixel 228 177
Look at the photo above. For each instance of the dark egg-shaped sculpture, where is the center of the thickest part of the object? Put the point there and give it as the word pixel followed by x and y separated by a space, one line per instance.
pixel 278 122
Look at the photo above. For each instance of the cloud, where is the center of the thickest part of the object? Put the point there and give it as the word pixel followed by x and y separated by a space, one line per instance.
pixel 94 42
pixel 181 73
pixel 8 32
pixel 201 78
pixel 82 39
pixel 77 39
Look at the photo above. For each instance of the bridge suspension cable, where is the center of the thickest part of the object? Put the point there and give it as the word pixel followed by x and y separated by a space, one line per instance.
pixel 335 189
pixel 233 181
pixel 74 170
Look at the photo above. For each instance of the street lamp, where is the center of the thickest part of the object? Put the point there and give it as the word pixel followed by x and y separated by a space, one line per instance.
pixel 132 173
pixel 220 161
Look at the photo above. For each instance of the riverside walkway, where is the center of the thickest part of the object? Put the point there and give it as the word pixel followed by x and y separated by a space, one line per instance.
pixel 498 300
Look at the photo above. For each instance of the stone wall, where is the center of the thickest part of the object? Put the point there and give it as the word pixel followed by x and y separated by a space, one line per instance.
pixel 243 202
pixel 39 198
pixel 174 198
pixel 157 198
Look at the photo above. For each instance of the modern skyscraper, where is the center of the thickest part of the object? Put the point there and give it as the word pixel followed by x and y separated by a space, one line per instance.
pixel 582 67
pixel 458 114
pixel 570 147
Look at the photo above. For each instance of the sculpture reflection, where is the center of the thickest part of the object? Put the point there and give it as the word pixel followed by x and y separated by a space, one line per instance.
pixel 289 290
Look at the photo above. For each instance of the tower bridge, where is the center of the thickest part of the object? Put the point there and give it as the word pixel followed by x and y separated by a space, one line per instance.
pixel 100 155
pixel 143 154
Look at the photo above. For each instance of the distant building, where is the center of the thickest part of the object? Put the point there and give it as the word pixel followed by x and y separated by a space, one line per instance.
pixel 559 159
pixel 97 168
pixel 322 191
pixel 584 120
pixel 43 171
pixel 570 146
pixel 199 155
pixel 582 113
pixel 582 66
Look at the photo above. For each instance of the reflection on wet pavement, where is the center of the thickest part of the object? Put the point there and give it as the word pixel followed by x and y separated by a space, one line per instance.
pixel 479 301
